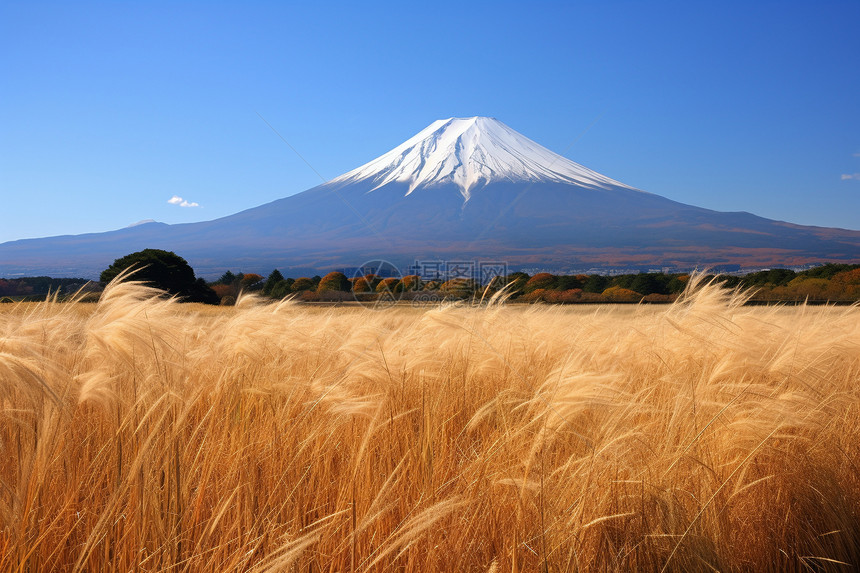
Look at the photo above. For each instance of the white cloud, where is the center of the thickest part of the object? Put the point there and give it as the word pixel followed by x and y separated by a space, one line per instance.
pixel 177 200
pixel 857 154
pixel 847 176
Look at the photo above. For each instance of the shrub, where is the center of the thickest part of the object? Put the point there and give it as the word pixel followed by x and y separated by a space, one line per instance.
pixel 537 295
pixel 568 296
pixel 620 294
pixel 222 291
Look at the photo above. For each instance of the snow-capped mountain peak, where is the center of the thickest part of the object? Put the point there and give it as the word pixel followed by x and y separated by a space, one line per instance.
pixel 471 152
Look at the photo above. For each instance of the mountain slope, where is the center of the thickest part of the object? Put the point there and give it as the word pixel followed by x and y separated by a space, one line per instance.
pixel 463 189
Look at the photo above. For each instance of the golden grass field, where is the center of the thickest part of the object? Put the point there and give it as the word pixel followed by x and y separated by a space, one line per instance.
pixel 143 435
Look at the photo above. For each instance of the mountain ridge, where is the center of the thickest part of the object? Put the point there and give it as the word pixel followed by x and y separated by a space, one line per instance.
pixel 466 189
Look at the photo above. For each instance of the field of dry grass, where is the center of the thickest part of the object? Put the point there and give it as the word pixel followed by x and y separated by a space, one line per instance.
pixel 139 434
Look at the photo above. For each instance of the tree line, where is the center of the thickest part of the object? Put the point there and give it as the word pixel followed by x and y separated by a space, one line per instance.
pixel 40 287
pixel 830 282
pixel 170 272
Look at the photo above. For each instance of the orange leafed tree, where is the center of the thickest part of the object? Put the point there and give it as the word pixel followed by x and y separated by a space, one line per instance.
pixel 250 280
pixel 334 281
pixel 619 294
pixel 540 281
pixel 367 283
pixel 388 285
pixel 411 283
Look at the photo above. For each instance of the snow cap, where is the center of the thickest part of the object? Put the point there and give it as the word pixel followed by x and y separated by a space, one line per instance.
pixel 471 152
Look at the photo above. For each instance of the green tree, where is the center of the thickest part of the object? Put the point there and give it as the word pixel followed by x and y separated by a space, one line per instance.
pixel 828 271
pixel 623 281
pixel 773 277
pixel 164 270
pixel 595 283
pixel 302 284
pixel 227 278
pixel 647 283
pixel 273 279
pixel 568 282
pixel 516 282
pixel 677 283
pixel 282 288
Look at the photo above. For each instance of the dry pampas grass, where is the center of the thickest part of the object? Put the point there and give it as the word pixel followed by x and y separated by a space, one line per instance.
pixel 140 434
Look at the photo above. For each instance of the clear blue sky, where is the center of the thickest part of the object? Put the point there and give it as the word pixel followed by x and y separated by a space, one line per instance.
pixel 108 110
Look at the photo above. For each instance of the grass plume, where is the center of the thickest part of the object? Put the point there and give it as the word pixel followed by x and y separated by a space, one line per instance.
pixel 141 434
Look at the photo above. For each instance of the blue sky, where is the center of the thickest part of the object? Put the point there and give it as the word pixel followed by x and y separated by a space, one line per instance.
pixel 108 110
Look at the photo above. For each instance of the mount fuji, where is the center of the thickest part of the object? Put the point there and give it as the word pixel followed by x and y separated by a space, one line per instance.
pixel 461 189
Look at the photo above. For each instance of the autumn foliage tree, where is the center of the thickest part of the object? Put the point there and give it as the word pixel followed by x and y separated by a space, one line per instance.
pixel 847 284
pixel 540 281
pixel 250 281
pixel 411 283
pixel 223 291
pixel 367 283
pixel 621 294
pixel 388 285
pixel 334 281
pixel 831 282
